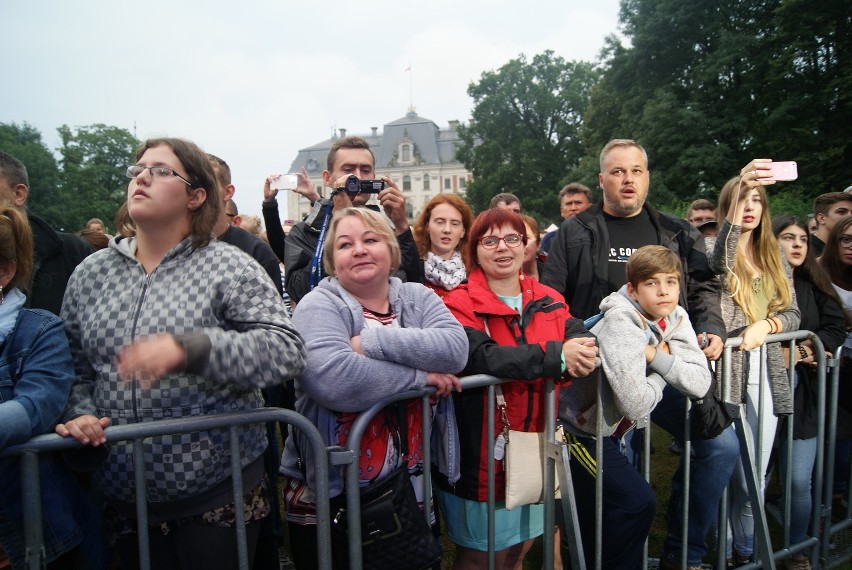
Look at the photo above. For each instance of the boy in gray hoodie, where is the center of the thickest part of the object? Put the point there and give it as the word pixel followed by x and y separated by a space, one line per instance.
pixel 646 341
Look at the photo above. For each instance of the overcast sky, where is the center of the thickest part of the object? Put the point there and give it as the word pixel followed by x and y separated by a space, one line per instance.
pixel 254 81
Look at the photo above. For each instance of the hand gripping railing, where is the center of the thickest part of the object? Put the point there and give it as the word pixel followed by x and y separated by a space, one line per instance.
pixel 31 489
pixel 349 457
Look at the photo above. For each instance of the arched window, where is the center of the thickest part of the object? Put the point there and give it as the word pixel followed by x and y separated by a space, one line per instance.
pixel 405 153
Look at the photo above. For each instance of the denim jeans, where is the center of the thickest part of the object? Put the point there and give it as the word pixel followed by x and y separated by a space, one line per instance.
pixel 804 456
pixel 713 462
pixel 742 509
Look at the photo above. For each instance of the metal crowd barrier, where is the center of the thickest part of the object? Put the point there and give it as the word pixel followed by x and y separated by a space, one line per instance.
pixel 31 488
pixel 765 556
pixel 553 453
pixel 556 453
pixel 830 530
pixel 817 546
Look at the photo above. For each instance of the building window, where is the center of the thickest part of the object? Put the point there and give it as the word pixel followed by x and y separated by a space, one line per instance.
pixel 409 209
pixel 426 182
pixel 406 183
pixel 448 183
pixel 406 153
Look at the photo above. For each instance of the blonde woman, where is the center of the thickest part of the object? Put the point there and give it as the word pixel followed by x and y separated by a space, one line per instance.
pixel 758 300
pixel 368 336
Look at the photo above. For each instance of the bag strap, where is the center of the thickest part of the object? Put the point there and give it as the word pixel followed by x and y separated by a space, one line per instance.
pixel 498 392
pixel 403 430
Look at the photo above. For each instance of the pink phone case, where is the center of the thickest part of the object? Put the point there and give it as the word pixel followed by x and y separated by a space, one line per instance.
pixel 782 171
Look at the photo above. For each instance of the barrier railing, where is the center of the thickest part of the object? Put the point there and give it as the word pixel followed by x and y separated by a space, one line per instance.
pixel 556 454
pixel 750 453
pixel 31 489
pixel 765 556
pixel 828 529
pixel 553 452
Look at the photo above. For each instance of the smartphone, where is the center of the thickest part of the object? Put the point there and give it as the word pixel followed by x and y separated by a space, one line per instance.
pixel 782 171
pixel 284 182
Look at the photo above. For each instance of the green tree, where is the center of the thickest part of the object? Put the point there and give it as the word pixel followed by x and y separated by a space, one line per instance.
pixel 706 86
pixel 93 160
pixel 24 143
pixel 524 134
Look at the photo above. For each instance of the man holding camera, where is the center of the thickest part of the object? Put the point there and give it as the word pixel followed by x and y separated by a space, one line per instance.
pixel 349 156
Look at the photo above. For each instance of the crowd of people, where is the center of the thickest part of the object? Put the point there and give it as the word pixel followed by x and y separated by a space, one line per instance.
pixel 181 312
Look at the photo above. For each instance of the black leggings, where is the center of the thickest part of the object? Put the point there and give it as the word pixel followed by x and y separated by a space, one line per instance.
pixel 188 546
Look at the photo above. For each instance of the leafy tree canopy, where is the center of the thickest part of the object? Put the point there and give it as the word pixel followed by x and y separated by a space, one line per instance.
pixel 706 87
pixel 24 143
pixel 93 160
pixel 525 131
pixel 87 182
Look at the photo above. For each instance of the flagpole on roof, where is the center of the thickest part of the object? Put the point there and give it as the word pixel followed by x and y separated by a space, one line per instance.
pixel 410 88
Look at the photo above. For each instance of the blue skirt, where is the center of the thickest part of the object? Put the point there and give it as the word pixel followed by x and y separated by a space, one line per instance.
pixel 466 522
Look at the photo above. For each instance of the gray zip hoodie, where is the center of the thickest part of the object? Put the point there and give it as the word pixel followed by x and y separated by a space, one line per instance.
pixel 632 387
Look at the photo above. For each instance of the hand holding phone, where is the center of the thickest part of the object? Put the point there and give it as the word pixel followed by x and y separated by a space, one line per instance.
pixel 284 182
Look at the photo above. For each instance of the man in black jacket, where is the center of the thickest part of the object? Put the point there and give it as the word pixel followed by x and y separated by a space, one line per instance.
pixel 586 263
pixel 236 236
pixel 57 254
pixel 303 250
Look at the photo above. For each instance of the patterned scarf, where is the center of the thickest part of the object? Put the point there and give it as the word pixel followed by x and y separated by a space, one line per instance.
pixel 444 273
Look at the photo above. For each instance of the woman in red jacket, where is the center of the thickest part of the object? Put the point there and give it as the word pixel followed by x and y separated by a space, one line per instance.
pixel 517 328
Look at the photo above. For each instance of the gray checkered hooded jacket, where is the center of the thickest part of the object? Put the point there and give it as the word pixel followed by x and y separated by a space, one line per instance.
pixel 216 290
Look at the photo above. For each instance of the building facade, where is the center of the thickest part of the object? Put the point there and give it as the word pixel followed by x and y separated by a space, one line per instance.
pixel 412 151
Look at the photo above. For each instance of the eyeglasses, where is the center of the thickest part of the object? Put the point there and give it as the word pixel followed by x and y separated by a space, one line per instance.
pixel 846 241
pixel 491 242
pixel 156 172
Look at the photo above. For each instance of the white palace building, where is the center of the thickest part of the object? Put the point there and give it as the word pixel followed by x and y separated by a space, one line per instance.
pixel 412 151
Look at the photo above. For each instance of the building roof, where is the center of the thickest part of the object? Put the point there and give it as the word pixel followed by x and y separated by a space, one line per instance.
pixel 432 145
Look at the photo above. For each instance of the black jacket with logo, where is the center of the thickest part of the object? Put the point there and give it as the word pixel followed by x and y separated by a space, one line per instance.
pixel 578 263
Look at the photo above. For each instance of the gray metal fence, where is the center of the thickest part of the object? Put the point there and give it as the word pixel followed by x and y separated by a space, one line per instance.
pixel 556 453
pixel 31 488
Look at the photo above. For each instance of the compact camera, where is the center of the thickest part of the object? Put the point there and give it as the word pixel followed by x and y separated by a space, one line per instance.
pixel 354 185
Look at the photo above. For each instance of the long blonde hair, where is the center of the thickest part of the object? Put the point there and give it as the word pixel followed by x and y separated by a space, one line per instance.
pixel 766 255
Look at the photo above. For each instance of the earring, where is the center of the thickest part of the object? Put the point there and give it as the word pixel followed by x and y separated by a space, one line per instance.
pixel 2 297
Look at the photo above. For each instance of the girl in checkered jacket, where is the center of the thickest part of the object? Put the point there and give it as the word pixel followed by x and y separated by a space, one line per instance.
pixel 168 324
